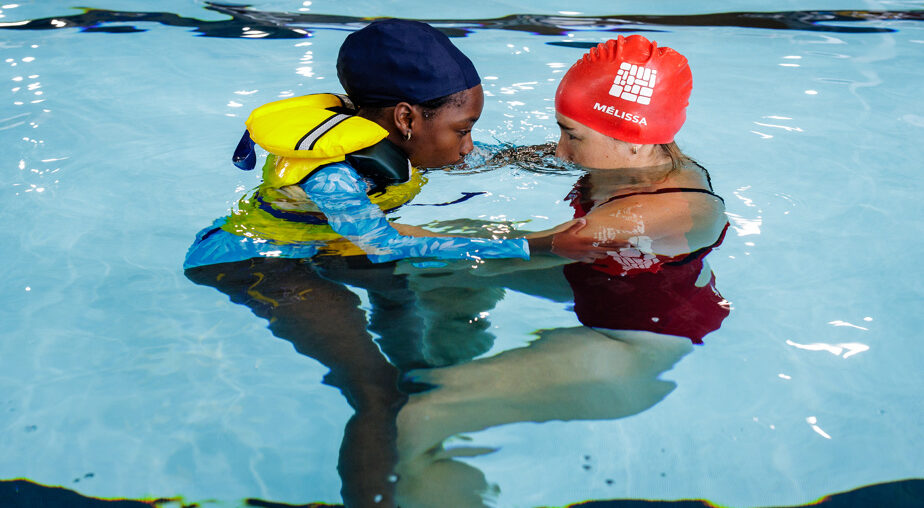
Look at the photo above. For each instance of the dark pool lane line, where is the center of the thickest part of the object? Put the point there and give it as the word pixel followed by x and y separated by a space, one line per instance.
pixel 898 494
pixel 247 23
pixel 26 494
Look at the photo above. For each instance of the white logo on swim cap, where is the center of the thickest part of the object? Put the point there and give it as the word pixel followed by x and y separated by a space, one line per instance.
pixel 634 83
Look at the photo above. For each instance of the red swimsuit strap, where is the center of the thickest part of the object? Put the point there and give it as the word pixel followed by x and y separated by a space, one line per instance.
pixel 666 190
pixel 580 210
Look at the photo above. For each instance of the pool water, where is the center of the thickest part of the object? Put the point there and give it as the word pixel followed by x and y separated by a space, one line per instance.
pixel 120 378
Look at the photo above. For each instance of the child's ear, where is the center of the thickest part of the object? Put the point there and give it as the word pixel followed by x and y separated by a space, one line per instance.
pixel 404 117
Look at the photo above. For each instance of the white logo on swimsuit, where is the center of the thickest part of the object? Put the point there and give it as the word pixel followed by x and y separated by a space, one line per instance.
pixel 634 83
pixel 639 256
pixel 630 258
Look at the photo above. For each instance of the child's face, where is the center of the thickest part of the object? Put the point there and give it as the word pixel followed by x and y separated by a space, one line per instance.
pixel 446 137
pixel 586 147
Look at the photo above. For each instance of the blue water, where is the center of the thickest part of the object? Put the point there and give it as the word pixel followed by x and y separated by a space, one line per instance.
pixel 120 378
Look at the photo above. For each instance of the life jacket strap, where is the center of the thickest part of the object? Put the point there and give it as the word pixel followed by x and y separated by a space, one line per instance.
pixel 303 217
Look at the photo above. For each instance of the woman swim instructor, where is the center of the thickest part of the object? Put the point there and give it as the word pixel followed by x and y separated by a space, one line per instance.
pixel 339 163
pixel 619 108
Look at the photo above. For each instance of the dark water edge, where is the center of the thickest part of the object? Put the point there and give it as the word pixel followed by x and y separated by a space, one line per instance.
pixel 26 494
pixel 247 23
pixel 898 494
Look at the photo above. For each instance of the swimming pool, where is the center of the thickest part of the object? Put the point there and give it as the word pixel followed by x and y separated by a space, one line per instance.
pixel 120 378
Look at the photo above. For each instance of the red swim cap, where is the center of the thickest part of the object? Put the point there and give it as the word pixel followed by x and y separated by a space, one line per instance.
pixel 629 89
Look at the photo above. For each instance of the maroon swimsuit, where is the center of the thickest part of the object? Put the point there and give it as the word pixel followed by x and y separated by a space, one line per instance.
pixel 639 291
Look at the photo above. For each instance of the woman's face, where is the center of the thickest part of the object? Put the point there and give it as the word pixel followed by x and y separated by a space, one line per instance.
pixel 586 147
pixel 446 136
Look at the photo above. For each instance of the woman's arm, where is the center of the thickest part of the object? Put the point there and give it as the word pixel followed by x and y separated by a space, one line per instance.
pixel 669 224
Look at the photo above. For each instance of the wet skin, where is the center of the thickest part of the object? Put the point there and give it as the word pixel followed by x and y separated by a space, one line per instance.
pixel 586 147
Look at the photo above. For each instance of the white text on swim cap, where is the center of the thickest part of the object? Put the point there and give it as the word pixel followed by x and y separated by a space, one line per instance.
pixel 634 83
pixel 610 110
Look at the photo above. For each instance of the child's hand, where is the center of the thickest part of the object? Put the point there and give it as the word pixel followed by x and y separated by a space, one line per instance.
pixel 566 241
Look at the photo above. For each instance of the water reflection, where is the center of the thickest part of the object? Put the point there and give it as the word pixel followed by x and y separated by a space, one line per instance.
pixel 567 374
pixel 307 303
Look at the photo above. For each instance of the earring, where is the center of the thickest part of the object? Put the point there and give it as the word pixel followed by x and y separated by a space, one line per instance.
pixel 407 135
pixel 634 149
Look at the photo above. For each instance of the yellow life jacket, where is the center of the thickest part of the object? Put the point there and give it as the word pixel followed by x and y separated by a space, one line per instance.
pixel 303 134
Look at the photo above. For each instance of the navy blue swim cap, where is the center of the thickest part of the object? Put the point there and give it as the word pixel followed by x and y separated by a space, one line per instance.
pixel 396 60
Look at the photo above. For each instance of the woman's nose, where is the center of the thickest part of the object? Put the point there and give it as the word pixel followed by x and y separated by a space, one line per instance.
pixel 562 152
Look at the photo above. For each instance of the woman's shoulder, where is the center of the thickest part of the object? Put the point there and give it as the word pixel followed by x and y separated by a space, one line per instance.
pixel 682 205
pixel 665 196
pixel 690 183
